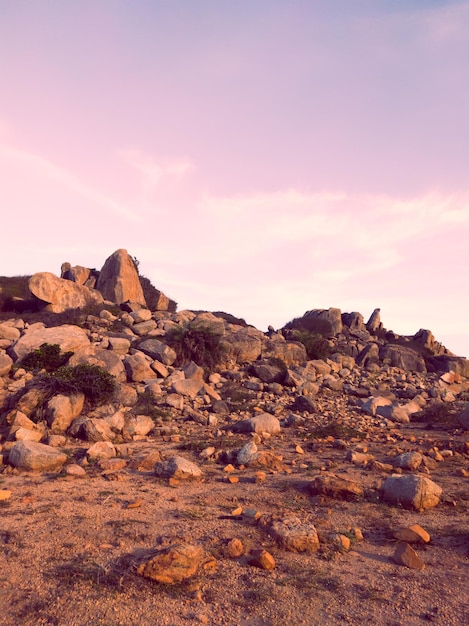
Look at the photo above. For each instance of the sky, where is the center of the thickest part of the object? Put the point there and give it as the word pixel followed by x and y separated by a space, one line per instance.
pixel 259 157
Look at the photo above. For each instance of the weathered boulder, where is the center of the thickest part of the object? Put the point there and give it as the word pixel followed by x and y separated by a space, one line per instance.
pixel 5 364
pixel 174 564
pixel 105 359
pixel 372 405
pixel 244 345
pixel 331 315
pixel 96 429
pixel 369 354
pixel 336 487
pixel 36 456
pixel 291 533
pixel 138 368
pixel 354 321
pixel 178 467
pixel 189 388
pixel 78 274
pixel 158 350
pixel 60 294
pixel 7 331
pixel 268 371
pixel 248 454
pixel 374 322
pixel 137 426
pixel 70 338
pixel 409 460
pixel 262 423
pixel 402 357
pixel 118 280
pixel 62 410
pixel 208 322
pixel 426 339
pixel 413 491
pixel 101 450
pixel 290 352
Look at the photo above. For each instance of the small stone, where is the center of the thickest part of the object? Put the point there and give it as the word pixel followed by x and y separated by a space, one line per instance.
pixel 233 479
pixel 235 548
pixel 260 477
pixel 262 559
pixel 406 555
pixel 342 542
pixel 412 534
pixel 229 469
pixel 5 494
pixel 135 504
pixel 75 470
pixel 299 449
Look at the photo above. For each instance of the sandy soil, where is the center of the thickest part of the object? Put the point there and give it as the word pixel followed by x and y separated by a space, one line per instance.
pixel 69 547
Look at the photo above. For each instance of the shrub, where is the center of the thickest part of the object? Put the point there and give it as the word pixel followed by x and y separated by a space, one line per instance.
pixel 314 325
pixel 201 346
pixel 15 295
pixel 48 357
pixel 93 381
pixel 317 347
pixel 438 414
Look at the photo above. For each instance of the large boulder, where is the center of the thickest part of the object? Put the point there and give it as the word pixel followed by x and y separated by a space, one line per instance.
pixel 60 294
pixel 290 352
pixel 118 280
pixel 374 322
pixel 31 455
pixel 402 357
pixel 70 339
pixel 62 410
pixel 244 345
pixel 158 350
pixel 412 491
pixel 331 315
pixel 105 359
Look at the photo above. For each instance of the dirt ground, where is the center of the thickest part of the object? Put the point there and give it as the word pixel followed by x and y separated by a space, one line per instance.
pixel 69 546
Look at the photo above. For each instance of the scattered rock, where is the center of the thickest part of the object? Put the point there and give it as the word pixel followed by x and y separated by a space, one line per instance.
pixel 406 555
pixel 36 456
pixel 178 467
pixel 413 491
pixel 174 564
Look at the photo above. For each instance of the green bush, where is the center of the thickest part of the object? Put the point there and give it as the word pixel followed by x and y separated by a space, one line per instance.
pixel 48 357
pixel 201 346
pixel 93 381
pixel 314 325
pixel 317 347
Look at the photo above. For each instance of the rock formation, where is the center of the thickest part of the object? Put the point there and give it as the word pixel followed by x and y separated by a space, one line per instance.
pixel 118 280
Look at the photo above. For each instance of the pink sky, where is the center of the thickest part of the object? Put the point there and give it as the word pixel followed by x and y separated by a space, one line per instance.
pixel 260 157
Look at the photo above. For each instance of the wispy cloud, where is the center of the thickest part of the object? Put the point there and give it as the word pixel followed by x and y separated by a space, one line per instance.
pixel 154 171
pixel 49 172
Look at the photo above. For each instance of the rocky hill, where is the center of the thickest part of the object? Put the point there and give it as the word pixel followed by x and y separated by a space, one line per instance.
pixel 258 478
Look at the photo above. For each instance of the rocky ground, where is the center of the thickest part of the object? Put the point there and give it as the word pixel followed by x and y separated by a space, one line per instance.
pixel 340 495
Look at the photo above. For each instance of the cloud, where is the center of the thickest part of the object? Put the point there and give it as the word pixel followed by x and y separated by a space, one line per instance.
pixel 26 164
pixel 153 172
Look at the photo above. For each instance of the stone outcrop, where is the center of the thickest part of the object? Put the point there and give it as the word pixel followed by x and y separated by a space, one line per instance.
pixel 118 280
pixel 70 338
pixel 332 316
pixel 60 294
